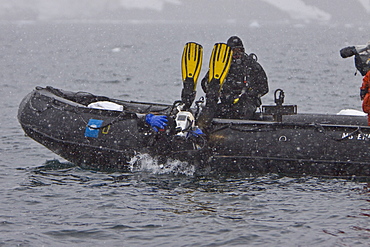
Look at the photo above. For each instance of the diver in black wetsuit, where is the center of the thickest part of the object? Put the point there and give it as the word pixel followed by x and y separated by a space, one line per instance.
pixel 240 93
pixel 244 85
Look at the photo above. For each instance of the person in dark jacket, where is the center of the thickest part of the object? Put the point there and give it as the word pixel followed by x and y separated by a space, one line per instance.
pixel 243 87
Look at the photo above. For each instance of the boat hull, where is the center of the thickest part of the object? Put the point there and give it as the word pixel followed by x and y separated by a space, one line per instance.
pixel 311 144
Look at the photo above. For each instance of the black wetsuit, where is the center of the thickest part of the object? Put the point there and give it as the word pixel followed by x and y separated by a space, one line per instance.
pixel 242 90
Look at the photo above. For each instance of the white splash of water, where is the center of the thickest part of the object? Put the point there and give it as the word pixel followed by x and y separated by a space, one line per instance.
pixel 147 163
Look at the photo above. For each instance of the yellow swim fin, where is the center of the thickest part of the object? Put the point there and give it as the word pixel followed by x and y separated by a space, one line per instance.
pixel 219 64
pixel 191 64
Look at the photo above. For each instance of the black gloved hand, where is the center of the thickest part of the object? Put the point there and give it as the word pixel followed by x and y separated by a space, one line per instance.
pixel 362 93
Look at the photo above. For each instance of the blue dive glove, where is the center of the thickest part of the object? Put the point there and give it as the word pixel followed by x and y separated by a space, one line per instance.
pixel 155 121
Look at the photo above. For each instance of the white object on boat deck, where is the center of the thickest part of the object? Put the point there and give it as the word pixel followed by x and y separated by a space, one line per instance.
pixel 351 112
pixel 106 105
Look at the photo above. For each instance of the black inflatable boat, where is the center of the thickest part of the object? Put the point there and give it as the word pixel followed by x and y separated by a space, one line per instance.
pixel 278 141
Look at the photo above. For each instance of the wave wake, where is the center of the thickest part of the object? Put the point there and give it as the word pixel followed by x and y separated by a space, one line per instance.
pixel 147 163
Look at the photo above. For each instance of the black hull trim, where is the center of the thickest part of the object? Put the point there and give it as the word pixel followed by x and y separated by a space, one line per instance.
pixel 249 165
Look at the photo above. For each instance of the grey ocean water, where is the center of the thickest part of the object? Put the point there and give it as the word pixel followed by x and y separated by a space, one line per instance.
pixel 45 201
